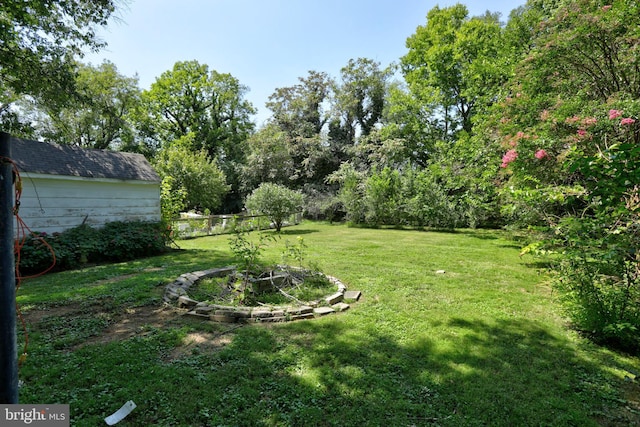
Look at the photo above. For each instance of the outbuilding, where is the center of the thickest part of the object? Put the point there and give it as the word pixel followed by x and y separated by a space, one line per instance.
pixel 64 186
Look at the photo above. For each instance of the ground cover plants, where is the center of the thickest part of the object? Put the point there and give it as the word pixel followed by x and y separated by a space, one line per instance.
pixel 454 329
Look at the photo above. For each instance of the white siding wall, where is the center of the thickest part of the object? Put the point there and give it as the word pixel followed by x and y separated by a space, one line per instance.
pixel 53 203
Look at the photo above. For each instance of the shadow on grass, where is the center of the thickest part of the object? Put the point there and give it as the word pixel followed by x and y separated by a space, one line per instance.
pixel 296 232
pixel 326 372
pixel 513 372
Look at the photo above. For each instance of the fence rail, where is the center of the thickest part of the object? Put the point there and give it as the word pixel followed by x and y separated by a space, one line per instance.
pixel 209 225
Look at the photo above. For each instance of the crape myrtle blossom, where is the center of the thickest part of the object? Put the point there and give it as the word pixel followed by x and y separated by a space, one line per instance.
pixel 541 154
pixel 509 157
pixel 614 114
pixel 627 121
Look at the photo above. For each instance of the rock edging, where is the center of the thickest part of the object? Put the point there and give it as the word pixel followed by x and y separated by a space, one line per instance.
pixel 177 293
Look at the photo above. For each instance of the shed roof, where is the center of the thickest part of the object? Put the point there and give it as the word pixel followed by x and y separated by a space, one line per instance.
pixel 53 159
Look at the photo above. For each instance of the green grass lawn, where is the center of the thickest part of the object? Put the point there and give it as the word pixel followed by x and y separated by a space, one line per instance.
pixel 483 344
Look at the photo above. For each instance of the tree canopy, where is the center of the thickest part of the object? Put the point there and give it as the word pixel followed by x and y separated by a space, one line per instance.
pixel 98 117
pixel 41 39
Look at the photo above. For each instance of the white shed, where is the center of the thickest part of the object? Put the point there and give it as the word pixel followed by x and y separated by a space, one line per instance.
pixel 65 186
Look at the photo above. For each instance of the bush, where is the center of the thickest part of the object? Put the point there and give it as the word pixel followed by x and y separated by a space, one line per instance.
pixel 599 276
pixel 426 203
pixel 390 197
pixel 323 206
pixel 383 198
pixel 196 182
pixel 276 201
pixel 116 241
pixel 129 240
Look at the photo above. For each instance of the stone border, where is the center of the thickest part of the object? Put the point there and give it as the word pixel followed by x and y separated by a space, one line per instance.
pixel 176 292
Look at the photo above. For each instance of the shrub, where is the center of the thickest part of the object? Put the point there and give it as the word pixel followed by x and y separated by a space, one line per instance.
pixel 116 241
pixel 383 198
pixel 129 240
pixel 196 182
pixel 426 204
pixel 352 192
pixel 323 206
pixel 599 276
pixel 276 201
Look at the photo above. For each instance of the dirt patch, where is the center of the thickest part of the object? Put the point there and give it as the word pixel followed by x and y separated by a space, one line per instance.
pixel 204 342
pixel 114 279
pixel 33 316
pixel 135 321
pixel 132 322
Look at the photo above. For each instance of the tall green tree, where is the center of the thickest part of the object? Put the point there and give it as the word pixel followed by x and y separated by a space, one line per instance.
pixel 40 40
pixel 359 99
pixel 190 98
pixel 456 64
pixel 413 122
pixel 299 109
pixel 268 158
pixel 97 116
pixel 301 112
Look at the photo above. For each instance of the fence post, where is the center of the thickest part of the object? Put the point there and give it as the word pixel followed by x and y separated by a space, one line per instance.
pixel 8 337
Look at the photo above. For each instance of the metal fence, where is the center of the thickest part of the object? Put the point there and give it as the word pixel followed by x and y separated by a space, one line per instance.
pixel 209 225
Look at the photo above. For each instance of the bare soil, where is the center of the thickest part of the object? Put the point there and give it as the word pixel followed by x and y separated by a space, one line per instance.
pixel 137 321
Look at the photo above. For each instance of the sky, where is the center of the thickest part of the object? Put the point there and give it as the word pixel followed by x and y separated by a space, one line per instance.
pixel 265 44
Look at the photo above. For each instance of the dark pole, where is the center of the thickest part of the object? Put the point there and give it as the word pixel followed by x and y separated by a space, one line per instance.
pixel 8 337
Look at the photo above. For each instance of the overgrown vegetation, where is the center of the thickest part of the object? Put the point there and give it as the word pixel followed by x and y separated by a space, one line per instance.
pixel 73 248
pixel 573 166
pixel 259 282
pixel 530 121
pixel 481 344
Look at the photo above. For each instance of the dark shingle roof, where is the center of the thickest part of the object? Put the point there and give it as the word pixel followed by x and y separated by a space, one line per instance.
pixel 54 159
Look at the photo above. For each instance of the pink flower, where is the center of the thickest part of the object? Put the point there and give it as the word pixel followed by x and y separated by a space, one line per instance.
pixel 613 114
pixel 509 157
pixel 582 132
pixel 607 7
pixel 589 121
pixel 541 154
pixel 627 121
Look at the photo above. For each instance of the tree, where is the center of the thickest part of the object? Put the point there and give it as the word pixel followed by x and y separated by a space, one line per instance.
pixel 210 105
pixel 191 99
pixel 298 110
pixel 275 201
pixel 268 158
pixel 192 172
pixel 414 123
pixel 97 116
pixel 457 64
pixel 40 40
pixel 359 99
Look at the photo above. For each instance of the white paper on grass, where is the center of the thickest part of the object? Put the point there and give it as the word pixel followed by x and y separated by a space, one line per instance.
pixel 119 415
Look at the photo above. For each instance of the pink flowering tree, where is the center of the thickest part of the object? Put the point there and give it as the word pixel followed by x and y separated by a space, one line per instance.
pixel 570 134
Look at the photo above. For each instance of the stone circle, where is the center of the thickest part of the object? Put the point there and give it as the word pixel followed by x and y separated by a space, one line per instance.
pixel 177 293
